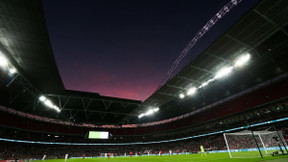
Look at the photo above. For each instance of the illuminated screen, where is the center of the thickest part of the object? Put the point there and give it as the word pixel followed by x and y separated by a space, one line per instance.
pixel 98 135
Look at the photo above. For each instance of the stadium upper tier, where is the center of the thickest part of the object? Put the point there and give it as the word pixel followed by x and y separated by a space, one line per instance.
pixel 261 33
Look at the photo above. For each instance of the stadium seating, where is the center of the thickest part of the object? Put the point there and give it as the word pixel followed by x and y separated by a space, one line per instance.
pixel 266 103
pixel 36 151
pixel 240 104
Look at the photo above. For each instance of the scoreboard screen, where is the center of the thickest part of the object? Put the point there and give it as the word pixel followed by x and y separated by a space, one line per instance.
pixel 98 135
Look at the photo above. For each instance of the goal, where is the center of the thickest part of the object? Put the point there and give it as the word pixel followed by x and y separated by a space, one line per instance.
pixel 103 155
pixel 257 143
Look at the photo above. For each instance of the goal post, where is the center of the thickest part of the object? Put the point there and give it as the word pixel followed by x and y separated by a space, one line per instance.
pixel 257 143
pixel 227 145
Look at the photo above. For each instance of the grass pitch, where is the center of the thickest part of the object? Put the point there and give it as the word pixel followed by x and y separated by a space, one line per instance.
pixel 215 157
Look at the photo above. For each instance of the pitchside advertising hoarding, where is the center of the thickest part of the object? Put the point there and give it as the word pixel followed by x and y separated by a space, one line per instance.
pixel 12 160
pixel 245 150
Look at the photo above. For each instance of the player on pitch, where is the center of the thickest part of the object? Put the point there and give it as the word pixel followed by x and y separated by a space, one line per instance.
pixel 202 151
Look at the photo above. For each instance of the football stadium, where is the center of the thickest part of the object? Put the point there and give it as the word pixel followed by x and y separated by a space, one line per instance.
pixel 227 103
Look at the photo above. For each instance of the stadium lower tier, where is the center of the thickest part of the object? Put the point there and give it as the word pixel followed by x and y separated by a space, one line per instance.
pixel 14 150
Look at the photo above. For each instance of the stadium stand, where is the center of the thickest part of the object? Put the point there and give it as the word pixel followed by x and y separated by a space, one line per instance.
pixel 247 102
pixel 254 95
pixel 37 151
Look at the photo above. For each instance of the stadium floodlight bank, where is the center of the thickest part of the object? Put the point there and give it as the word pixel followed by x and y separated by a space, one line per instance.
pixel 263 143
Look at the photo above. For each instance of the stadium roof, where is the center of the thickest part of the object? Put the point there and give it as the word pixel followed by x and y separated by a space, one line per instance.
pixel 25 42
pixel 262 32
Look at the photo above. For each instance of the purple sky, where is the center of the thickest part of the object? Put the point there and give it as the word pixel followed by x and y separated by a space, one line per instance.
pixel 124 48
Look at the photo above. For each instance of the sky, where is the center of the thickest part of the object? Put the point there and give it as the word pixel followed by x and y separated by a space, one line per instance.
pixel 123 48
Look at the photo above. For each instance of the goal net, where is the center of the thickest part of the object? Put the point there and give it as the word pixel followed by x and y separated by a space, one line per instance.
pixel 244 143
pixel 103 155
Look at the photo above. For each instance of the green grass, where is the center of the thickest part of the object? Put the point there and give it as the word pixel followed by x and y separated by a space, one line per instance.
pixel 215 157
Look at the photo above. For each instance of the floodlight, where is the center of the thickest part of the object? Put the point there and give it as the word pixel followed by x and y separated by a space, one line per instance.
pixel 242 60
pixel 206 83
pixel 149 112
pixel 42 98
pixel 223 72
pixel 48 103
pixel 210 80
pixel 56 107
pixel 156 109
pixel 3 61
pixel 181 95
pixel 191 91
pixel 141 115
pixel 12 70
pixel 58 110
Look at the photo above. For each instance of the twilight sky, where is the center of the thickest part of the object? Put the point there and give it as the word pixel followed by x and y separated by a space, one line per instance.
pixel 123 48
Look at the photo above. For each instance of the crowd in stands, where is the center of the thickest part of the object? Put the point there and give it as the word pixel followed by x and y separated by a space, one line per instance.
pixel 11 150
pixel 205 118
pixel 14 150
pixel 237 120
